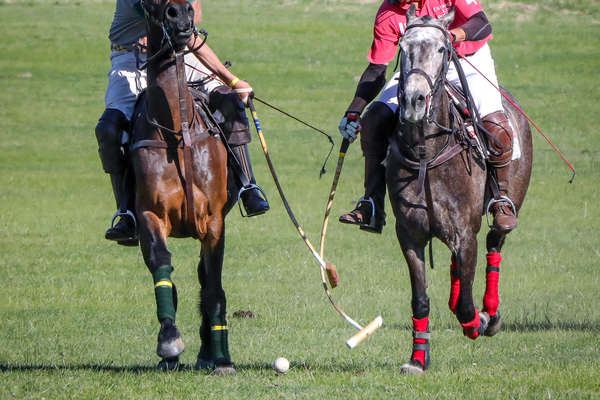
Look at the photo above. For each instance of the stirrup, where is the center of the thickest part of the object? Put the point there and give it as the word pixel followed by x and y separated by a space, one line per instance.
pixel 250 186
pixel 502 199
pixel 373 226
pixel 370 201
pixel 120 213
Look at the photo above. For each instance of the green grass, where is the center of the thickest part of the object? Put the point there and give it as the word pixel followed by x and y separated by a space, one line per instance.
pixel 77 313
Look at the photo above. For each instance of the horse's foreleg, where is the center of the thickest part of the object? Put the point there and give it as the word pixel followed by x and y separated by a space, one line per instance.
pixel 214 351
pixel 454 285
pixel 158 259
pixel 491 300
pixel 415 257
pixel 472 321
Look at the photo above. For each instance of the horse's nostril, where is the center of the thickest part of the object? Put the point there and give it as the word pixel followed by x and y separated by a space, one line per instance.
pixel 172 12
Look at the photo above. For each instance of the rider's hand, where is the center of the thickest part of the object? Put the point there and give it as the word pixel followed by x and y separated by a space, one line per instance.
pixel 242 89
pixel 349 126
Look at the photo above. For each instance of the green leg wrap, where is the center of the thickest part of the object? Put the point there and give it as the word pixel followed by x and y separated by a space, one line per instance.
pixel 165 293
pixel 219 344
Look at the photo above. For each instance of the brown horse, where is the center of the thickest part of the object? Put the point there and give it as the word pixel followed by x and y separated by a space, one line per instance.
pixel 437 177
pixel 181 185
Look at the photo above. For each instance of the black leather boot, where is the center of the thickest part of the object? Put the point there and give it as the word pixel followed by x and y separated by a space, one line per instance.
pixel 124 231
pixel 251 195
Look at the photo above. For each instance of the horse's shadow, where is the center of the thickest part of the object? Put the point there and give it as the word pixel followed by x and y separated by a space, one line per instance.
pixel 143 369
pixel 524 325
pixel 135 369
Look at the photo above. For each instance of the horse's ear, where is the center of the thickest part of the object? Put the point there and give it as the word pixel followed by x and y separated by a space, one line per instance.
pixel 447 19
pixel 411 14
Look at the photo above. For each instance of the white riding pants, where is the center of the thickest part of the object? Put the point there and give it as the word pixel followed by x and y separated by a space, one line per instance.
pixel 126 82
pixel 487 99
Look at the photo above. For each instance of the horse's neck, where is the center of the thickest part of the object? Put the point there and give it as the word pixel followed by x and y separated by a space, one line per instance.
pixel 163 103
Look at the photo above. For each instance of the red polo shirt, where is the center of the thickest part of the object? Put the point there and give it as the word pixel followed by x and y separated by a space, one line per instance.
pixel 390 24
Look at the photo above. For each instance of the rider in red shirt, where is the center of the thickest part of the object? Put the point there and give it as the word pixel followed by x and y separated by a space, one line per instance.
pixel 470 33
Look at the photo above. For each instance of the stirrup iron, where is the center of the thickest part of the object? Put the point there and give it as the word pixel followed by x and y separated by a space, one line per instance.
pixel 120 213
pixel 249 186
pixel 502 199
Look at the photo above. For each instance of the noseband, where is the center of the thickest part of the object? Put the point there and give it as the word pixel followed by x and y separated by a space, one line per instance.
pixel 166 43
pixel 434 87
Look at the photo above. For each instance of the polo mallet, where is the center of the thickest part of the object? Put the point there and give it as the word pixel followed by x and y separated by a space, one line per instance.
pixel 364 332
pixel 332 274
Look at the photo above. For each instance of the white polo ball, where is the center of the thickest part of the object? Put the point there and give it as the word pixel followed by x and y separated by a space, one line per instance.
pixel 281 365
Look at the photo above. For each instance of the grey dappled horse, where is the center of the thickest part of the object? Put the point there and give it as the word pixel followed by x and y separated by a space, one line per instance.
pixel 437 186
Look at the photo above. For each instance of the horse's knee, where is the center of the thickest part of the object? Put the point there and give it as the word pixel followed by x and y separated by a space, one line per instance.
pixel 109 131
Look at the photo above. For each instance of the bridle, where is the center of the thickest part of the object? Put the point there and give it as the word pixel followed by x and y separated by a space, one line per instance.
pixel 434 87
pixel 166 43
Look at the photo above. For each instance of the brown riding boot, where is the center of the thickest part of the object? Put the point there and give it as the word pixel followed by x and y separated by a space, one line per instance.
pixel 500 143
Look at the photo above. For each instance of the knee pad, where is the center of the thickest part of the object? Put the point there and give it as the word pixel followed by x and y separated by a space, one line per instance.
pixel 501 141
pixel 109 131
pixel 234 122
pixel 377 125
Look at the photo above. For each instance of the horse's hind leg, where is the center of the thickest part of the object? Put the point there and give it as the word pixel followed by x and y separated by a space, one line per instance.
pixel 214 351
pixel 158 259
pixel 491 300
pixel 473 322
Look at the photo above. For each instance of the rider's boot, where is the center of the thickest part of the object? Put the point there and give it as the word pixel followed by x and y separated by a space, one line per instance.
pixel 124 231
pixel 109 132
pixel 251 195
pixel 502 208
pixel 369 212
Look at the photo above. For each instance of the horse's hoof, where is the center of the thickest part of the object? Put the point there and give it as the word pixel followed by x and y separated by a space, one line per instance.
pixel 484 320
pixel 226 369
pixel 170 344
pixel 412 367
pixel 494 325
pixel 169 364
pixel 202 364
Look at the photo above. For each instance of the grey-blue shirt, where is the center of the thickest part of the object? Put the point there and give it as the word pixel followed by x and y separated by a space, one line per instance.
pixel 128 24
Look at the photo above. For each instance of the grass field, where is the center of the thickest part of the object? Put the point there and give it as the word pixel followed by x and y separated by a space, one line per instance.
pixel 77 312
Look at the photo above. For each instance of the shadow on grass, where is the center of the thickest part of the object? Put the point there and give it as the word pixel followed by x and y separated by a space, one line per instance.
pixel 135 369
pixel 144 369
pixel 523 325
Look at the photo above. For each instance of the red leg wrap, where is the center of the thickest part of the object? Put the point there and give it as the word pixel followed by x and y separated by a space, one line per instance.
pixel 420 325
pixel 471 329
pixel 454 287
pixel 490 298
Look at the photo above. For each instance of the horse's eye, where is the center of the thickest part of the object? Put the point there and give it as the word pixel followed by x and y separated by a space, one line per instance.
pixel 441 49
